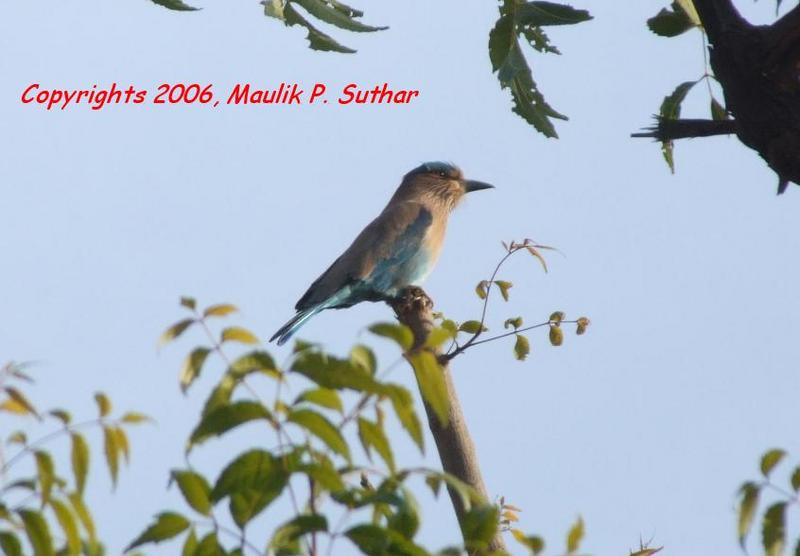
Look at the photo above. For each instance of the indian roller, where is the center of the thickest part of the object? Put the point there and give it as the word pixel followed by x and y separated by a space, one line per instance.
pixel 396 250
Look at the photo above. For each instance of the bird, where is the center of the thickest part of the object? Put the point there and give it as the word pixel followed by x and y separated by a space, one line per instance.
pixel 396 250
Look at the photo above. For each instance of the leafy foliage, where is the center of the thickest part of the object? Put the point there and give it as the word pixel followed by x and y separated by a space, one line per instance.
pixel 46 511
pixel 778 500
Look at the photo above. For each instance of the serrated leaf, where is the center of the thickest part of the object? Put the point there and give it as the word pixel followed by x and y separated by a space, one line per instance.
pixel 79 457
pixel 221 310
pixel 747 510
pixel 175 331
pixel 575 536
pixel 317 40
pixel 227 417
pixel 321 10
pixel 66 519
pixel 319 426
pixel 167 525
pixel 195 490
pixel 504 287
pixel 111 449
pixel 556 336
pixel 252 481
pixel 430 377
pixel 45 472
pixel 372 436
pixel 324 397
pixel 770 459
pixel 38 532
pixel 522 347
pixel 549 13
pixel 670 22
pixel 774 529
pixel 238 334
pixel 103 404
pixel 192 366
pixel 533 543
pixel 400 334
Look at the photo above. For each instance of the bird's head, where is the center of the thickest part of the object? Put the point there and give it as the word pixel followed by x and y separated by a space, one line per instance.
pixel 437 182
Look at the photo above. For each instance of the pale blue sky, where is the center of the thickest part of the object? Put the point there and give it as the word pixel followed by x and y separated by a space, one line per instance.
pixel 645 426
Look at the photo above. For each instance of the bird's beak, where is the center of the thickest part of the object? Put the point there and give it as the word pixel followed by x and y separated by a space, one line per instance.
pixel 473 185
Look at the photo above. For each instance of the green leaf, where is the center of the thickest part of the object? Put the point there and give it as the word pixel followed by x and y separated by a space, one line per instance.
pixel 176 5
pixel 575 536
pixel 504 287
pixel 334 373
pixel 440 335
pixel 195 490
pixel 209 546
pixel 718 112
pixel 10 544
pixel 670 22
pixel 221 310
pixel 405 519
pixel 79 457
pixel 430 377
pixel 252 481
pixel 399 333
pixel 747 509
pixel 373 436
pixel 66 519
pixel 324 473
pixel 557 317
pixel 549 13
pixel 175 331
pixel 324 397
pixel 583 324
pixel 320 427
pixel 774 529
pixel 190 544
pixel 671 106
pixel 533 543
pixel 192 367
pixel 515 322
pixel 134 418
pixel 364 357
pixel 38 532
pixel 317 39
pixel 256 361
pixel 188 302
pixel 296 528
pixel 167 525
pixel 238 334
pixel 471 327
pixel 103 404
pixel 403 405
pixel 45 471
pixel 21 401
pixel 556 336
pixel 83 515
pixel 796 479
pixel 321 10
pixel 227 417
pixel 111 448
pixel 770 459
pixel 481 289
pixel 373 540
pixel 522 347
pixel 479 526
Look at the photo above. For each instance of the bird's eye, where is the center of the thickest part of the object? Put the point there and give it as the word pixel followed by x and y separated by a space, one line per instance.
pixel 442 174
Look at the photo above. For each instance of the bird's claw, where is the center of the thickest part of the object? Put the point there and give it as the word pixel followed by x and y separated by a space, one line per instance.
pixel 412 298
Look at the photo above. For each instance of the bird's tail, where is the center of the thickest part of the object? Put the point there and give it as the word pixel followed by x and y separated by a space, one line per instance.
pixel 287 330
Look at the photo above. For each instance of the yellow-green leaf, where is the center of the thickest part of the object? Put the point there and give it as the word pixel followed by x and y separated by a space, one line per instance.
pixel 796 479
pixel 770 459
pixel 238 334
pixel 38 532
pixel 403 405
pixel 61 415
pixel 195 490
pixel 135 418
pixel 226 417
pixel 66 519
pixel 10 545
pixel 557 316
pixel 166 526
pixel 103 404
pixel 583 324
pixel 122 442
pixel 504 287
pixel 80 460
pixel 188 302
pixel 774 529
pixel 430 377
pixel 438 336
pixel 111 449
pixel 515 322
pixel 192 367
pixel 533 543
pixel 320 427
pixel 83 515
pixel 575 536
pixel 691 11
pixel 481 289
pixel 174 331
pixel 747 510
pixel 401 334
pixel 373 436
pixel 472 327
pixel 220 310
pixel 364 357
pixel 21 401
pixel 45 471
pixel 522 347
pixel 556 335
pixel 324 397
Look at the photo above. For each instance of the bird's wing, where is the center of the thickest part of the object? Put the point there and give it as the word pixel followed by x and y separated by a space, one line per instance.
pixel 390 239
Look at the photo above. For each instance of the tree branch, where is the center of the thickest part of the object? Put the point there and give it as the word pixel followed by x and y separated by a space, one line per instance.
pixel 453 442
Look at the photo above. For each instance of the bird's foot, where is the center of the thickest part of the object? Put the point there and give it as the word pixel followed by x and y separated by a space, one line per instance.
pixel 412 298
